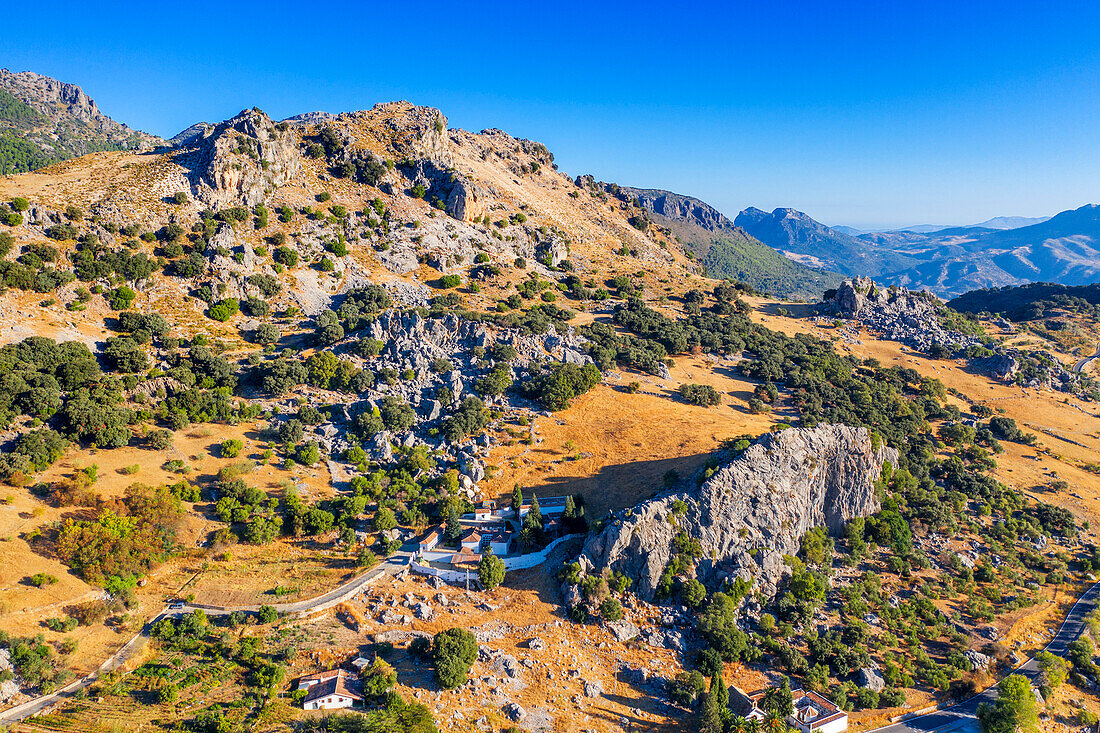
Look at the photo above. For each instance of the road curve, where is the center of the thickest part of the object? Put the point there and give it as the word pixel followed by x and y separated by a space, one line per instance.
pixel 400 560
pixel 962 718
pixel 1080 365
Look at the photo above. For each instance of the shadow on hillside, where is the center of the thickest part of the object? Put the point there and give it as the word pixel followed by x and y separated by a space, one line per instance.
pixel 792 310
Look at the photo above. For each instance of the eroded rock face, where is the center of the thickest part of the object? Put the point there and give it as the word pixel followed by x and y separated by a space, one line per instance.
pixel 751 512
pixel 240 161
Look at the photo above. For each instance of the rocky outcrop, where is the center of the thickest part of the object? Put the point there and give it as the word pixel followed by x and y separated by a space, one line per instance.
pixel 240 161
pixel 913 318
pixel 751 512
pixel 908 316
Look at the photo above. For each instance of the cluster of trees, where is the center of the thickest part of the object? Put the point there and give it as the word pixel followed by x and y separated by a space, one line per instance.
pixel 557 384
pixel 125 540
pixel 34 661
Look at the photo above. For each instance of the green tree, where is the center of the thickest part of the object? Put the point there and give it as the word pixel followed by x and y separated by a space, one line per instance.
pixel 453 529
pixel 490 571
pixel 710 716
pixel 517 499
pixel 1014 711
pixel 454 652
pixel 267 614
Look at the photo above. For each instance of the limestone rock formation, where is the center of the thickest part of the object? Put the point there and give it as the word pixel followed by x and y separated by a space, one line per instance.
pixel 752 511
pixel 240 161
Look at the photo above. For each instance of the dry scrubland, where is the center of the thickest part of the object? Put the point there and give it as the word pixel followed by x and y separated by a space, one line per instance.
pixel 614 444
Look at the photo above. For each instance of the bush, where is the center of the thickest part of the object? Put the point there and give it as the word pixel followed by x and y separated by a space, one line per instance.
pixel 40 579
pixel 454 652
pixel 179 197
pixel 611 609
pixel 159 439
pixel 450 281
pixel 266 333
pixel 231 448
pixel 285 256
pixel 397 415
pixel 225 309
pixel 700 394
pixel 267 615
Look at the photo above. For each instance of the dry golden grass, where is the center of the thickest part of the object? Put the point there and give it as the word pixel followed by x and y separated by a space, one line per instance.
pixel 615 447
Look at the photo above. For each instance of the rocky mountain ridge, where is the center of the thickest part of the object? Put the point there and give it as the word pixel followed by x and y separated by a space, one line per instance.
pixel 44 120
pixel 727 251
pixel 750 512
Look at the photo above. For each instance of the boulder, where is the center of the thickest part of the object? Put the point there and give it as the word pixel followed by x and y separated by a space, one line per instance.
pixel 871 679
pixel 513 712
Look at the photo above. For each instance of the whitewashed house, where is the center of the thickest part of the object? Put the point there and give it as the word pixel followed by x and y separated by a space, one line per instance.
pixel 331 690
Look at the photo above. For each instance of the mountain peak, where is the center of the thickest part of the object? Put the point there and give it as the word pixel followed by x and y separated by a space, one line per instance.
pixel 45 121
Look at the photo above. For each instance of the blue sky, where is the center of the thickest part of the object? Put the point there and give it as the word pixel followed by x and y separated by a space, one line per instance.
pixel 872 114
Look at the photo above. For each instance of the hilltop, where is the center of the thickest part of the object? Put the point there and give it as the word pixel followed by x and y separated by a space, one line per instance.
pixel 44 121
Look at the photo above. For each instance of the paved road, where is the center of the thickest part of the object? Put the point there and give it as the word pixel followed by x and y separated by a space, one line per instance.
pixel 1084 362
pixel 395 563
pixel 962 718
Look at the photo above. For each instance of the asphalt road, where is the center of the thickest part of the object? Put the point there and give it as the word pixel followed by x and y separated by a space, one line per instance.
pixel 1084 362
pixel 962 718
pixel 393 564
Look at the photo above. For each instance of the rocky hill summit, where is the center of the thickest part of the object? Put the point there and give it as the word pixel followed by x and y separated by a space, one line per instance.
pixel 749 513
pixel 43 121
pixel 908 316
pixel 920 320
pixel 239 162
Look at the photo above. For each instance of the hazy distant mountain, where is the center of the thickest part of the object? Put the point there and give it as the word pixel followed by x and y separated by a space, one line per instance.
pixel 1002 251
pixel 1063 249
pixel 1011 222
pixel 727 251
pixel 812 243
pixel 850 231
pixel 43 121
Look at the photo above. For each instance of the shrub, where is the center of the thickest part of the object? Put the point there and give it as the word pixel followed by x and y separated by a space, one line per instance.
pixel 700 394
pixel 611 609
pixel 397 415
pixel 285 256
pixel 231 448
pixel 224 309
pixel 450 281
pixel 267 615
pixel 179 197
pixel 40 579
pixel 266 333
pixel 454 652
pixel 159 439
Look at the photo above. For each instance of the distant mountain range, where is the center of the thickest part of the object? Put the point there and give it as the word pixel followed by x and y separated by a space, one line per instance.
pixel 947 260
pixel 728 251
pixel 44 121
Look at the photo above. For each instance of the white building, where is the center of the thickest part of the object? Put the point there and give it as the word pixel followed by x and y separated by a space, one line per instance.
pixel 813 713
pixel 485 511
pixel 330 690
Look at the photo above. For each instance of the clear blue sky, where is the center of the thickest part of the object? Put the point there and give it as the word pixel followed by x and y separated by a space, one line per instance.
pixel 882 113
